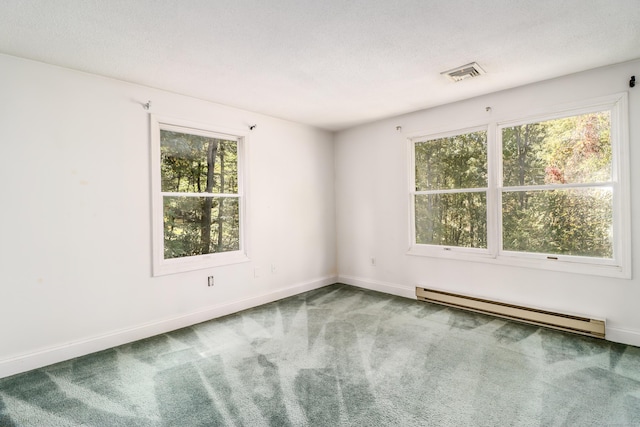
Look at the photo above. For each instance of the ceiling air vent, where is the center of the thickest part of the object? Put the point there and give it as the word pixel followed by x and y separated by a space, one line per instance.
pixel 464 72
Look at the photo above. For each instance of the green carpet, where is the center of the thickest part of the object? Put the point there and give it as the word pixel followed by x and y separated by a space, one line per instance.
pixel 338 356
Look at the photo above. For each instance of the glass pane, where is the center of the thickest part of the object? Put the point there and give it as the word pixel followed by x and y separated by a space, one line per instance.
pixel 200 225
pixel 454 162
pixel 197 164
pixel 564 222
pixel 458 219
pixel 564 151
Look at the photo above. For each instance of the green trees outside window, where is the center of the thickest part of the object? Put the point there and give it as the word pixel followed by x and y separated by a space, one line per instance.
pixel 558 195
pixel 552 191
pixel 451 184
pixel 199 179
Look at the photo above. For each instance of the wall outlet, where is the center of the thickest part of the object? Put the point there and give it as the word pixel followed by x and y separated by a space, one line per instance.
pixel 210 281
pixel 256 272
pixel 274 269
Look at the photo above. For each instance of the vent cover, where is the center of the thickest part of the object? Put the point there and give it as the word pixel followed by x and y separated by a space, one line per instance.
pixel 464 72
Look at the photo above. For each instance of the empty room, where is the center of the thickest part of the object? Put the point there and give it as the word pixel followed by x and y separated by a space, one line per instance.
pixel 319 213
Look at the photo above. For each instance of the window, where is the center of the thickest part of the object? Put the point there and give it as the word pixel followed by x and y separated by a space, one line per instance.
pixel 548 192
pixel 451 190
pixel 198 196
pixel 557 187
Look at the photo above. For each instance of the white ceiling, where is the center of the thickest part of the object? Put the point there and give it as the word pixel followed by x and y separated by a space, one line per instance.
pixel 327 63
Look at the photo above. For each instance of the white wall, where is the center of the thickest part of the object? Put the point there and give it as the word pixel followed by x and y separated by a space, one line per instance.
pixel 75 248
pixel 373 211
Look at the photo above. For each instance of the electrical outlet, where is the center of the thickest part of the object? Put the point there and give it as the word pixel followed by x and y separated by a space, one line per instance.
pixel 210 281
pixel 274 269
pixel 256 272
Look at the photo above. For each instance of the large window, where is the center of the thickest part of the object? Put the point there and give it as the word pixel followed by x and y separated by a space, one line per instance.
pixel 548 192
pixel 198 196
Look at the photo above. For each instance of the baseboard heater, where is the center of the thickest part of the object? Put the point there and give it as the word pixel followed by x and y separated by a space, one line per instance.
pixel 564 322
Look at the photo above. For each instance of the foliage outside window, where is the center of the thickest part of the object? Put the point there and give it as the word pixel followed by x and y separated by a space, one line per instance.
pixel 198 201
pixel 451 190
pixel 549 193
pixel 557 195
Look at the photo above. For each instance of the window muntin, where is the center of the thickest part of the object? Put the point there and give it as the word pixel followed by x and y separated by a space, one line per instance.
pixel 570 182
pixel 198 196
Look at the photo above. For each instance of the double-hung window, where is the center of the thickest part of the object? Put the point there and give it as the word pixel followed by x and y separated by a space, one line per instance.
pixel 198 196
pixel 451 186
pixel 550 192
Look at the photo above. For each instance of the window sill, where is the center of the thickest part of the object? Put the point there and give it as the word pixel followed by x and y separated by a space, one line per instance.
pixel 539 263
pixel 182 265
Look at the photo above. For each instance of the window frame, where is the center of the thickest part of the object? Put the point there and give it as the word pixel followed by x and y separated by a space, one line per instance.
pixel 620 264
pixel 160 265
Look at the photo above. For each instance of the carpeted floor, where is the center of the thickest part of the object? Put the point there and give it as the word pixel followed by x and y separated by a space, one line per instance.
pixel 339 356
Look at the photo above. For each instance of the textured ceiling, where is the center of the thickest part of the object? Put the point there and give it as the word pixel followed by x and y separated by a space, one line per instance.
pixel 328 63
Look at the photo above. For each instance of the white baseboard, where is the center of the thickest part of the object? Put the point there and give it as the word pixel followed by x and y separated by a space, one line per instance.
pixel 623 336
pixel 48 356
pixel 38 359
pixel 374 285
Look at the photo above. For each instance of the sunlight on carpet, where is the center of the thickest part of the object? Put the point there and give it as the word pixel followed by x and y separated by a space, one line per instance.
pixel 338 356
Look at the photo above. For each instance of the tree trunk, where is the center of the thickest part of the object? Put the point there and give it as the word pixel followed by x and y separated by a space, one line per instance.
pixel 221 203
pixel 205 234
pixel 522 156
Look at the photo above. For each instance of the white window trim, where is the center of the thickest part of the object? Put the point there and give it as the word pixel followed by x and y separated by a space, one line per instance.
pixel 162 266
pixel 618 267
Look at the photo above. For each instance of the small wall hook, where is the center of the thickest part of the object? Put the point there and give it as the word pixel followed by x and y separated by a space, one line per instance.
pixel 147 105
pixel 399 128
pixel 632 82
pixel 487 109
pixel 252 127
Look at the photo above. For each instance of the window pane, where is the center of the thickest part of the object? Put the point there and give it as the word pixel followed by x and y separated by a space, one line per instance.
pixel 198 164
pixel 565 222
pixel 200 225
pixel 571 150
pixel 458 219
pixel 453 162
